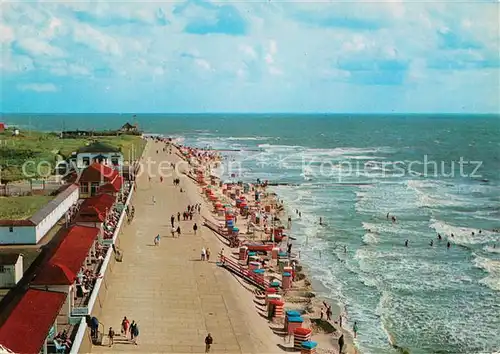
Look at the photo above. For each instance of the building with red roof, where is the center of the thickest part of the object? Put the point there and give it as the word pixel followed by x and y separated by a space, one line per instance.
pixel 94 210
pixel 97 175
pixel 30 322
pixel 60 272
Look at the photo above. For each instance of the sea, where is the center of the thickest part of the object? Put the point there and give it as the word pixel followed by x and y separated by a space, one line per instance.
pixel 436 174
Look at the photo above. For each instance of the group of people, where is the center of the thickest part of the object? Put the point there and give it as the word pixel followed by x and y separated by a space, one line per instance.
pixel 127 330
pixel 62 338
pixel 205 254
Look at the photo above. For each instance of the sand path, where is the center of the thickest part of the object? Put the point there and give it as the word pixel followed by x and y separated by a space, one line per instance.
pixel 176 298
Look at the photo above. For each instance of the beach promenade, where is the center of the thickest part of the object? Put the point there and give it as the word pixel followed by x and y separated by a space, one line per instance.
pixel 174 297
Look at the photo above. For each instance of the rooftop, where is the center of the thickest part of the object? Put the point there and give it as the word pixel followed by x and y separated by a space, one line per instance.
pixel 44 306
pixel 53 204
pixel 9 258
pixel 95 209
pixel 98 172
pixel 63 266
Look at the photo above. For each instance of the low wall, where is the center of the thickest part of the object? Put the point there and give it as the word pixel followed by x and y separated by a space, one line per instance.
pixel 82 342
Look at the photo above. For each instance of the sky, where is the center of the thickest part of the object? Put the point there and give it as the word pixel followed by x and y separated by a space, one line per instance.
pixel 250 56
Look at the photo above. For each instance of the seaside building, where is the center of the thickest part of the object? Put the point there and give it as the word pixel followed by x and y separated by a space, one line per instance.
pixel 32 322
pixel 11 269
pixel 99 178
pixel 94 211
pixel 63 271
pixel 30 231
pixel 98 152
pixel 129 128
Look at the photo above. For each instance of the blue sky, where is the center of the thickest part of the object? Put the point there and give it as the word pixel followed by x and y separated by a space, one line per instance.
pixel 261 56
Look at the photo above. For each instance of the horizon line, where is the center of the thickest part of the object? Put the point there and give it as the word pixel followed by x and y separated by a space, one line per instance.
pixel 258 113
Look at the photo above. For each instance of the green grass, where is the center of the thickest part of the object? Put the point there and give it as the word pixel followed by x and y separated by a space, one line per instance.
pixel 19 208
pixel 37 147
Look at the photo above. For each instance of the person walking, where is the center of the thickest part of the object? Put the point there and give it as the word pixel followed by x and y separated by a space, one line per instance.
pixel 157 240
pixel 178 231
pixel 208 342
pixel 341 343
pixel 125 325
pixel 132 326
pixel 355 329
pixel 172 219
pixel 207 252
pixel 329 313
pixel 111 335
pixel 136 333
pixel 178 216
pixel 195 228
pixel 203 253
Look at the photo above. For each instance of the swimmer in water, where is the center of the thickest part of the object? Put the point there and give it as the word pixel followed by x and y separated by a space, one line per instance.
pixel 452 235
pixel 393 219
pixel 479 231
pixel 439 237
pixel 345 249
pixel 406 243
pixel 300 214
pixel 387 216
pixel 432 243
pixel 472 233
pixel 320 221
pixel 448 244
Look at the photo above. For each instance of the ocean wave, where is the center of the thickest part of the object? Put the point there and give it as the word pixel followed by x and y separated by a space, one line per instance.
pixel 371 238
pixel 462 235
pixel 492 267
pixel 491 249
pixel 247 138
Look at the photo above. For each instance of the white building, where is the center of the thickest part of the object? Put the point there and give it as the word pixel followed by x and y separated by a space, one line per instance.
pixel 30 231
pixel 11 269
pixel 99 152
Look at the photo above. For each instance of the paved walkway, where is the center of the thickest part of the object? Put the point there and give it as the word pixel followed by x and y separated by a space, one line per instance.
pixel 175 298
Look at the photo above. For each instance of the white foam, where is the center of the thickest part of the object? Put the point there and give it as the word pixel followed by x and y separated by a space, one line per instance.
pixel 370 238
pixel 462 235
pixel 493 268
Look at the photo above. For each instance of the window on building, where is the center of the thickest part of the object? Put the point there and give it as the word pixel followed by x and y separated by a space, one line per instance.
pixel 114 161
pixel 84 188
pixel 86 161
pixel 94 186
pixel 11 229
pixel 2 269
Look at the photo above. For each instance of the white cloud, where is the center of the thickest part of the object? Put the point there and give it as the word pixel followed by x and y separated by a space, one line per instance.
pixel 64 69
pixel 202 63
pixel 37 47
pixel 273 48
pixel 95 39
pixel 6 34
pixel 275 71
pixel 37 87
pixel 248 50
